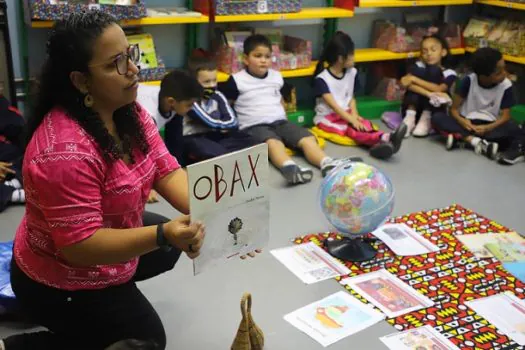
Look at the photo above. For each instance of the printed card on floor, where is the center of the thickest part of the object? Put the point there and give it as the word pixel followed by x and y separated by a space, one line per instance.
pixel 229 194
pixel 388 293
pixel 507 252
pixel 505 311
pixel 476 243
pixel 334 318
pixel 423 338
pixel 310 263
pixel 403 240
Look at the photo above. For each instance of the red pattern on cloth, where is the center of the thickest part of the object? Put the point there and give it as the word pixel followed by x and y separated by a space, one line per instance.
pixel 449 277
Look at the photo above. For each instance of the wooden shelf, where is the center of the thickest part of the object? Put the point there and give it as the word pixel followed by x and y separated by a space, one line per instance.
pixel 508 58
pixel 507 4
pixel 147 21
pixel 306 13
pixel 374 55
pixel 361 56
pixel 411 3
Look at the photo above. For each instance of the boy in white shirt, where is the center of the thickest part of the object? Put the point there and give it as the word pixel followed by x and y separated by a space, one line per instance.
pixel 256 92
pixel 480 113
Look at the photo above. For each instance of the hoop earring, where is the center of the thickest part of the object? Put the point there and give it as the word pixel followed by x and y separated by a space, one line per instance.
pixel 88 101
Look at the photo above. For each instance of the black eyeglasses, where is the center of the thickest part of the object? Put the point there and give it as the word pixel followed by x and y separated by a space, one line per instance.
pixel 122 61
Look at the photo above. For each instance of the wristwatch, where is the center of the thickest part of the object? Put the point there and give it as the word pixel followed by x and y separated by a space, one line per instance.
pixel 162 242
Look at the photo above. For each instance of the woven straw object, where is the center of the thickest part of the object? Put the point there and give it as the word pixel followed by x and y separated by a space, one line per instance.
pixel 249 336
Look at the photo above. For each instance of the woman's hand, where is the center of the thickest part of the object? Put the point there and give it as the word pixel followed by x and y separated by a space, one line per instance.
pixel 185 235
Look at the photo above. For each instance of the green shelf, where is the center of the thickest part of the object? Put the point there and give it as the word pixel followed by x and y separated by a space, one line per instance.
pixel 373 108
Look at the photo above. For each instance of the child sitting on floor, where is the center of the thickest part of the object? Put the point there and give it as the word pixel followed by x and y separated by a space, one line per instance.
pixel 167 104
pixel 336 109
pixel 256 92
pixel 480 113
pixel 428 86
pixel 11 149
pixel 211 129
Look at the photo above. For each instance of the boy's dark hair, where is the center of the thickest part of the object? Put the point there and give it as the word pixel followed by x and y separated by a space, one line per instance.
pixel 341 44
pixel 180 85
pixel 255 40
pixel 484 61
pixel 200 63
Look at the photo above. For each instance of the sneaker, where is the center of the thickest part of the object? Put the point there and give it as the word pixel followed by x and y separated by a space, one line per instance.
pixel 489 149
pixel 515 154
pixel 383 150
pixel 295 175
pixel 451 143
pixel 423 126
pixel 396 137
pixel 337 161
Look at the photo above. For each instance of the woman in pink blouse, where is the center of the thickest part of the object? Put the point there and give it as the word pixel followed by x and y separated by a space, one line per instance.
pixel 92 159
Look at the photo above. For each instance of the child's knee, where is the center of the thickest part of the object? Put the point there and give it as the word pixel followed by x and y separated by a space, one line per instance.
pixel 309 141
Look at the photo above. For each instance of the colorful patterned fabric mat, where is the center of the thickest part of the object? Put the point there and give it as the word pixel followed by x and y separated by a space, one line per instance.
pixel 448 277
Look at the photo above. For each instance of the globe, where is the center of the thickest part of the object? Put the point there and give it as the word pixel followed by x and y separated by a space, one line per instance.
pixel 356 198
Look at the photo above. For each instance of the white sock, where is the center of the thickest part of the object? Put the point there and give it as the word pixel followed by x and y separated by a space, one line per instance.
pixel 18 196
pixel 289 162
pixel 385 137
pixel 410 117
pixel 475 140
pixel 2 345
pixel 425 115
pixel 325 161
pixel 13 183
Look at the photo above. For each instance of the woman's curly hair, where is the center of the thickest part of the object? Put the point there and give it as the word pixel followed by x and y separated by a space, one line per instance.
pixel 69 49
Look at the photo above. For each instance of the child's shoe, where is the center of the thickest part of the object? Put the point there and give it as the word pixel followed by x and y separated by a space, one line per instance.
pixel 396 137
pixel 332 164
pixel 453 142
pixel 382 150
pixel 515 154
pixel 296 175
pixel 489 149
pixel 424 126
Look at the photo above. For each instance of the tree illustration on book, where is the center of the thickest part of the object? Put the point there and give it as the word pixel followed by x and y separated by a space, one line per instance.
pixel 234 227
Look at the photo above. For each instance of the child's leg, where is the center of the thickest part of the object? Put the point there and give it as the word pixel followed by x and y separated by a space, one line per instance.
pixel 446 125
pixel 202 147
pixel 236 140
pixel 504 134
pixel 298 137
pixel 277 153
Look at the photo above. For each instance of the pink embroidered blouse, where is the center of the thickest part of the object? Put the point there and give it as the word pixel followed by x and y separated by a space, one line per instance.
pixel 72 192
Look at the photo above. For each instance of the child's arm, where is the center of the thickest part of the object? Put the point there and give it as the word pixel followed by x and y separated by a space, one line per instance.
pixel 454 112
pixel 428 86
pixel 222 118
pixel 351 118
pixel 506 103
pixel 322 90
pixel 230 90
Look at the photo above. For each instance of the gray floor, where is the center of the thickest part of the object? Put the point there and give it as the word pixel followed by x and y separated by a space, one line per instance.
pixel 203 312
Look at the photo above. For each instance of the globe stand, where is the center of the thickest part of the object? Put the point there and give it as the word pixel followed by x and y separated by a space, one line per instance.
pixel 350 249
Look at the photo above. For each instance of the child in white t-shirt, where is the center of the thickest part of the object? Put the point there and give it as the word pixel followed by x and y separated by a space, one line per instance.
pixel 256 92
pixel 336 109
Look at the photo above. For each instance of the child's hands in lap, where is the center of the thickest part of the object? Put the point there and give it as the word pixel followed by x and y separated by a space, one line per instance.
pixel 357 123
